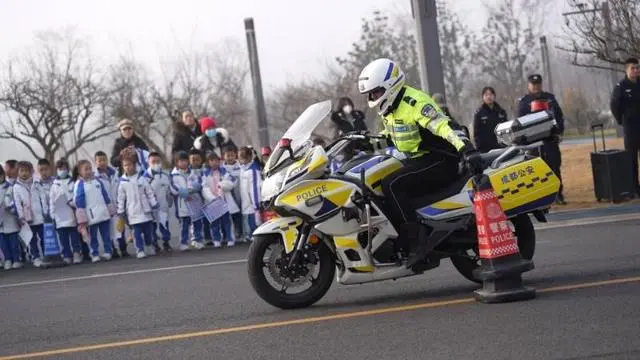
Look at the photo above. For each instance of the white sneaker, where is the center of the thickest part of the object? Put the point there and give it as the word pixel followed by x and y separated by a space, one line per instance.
pixel 106 256
pixel 217 244
pixel 8 264
pixel 67 261
pixel 77 258
pixel 141 255
pixel 17 265
pixel 37 262
pixel 151 251
pixel 184 247
pixel 95 259
pixel 197 245
pixel 231 243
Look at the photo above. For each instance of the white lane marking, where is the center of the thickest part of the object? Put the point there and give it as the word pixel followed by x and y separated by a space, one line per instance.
pixel 114 274
pixel 554 225
pixel 587 221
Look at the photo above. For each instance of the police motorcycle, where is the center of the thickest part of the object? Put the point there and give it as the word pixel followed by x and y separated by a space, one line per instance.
pixel 333 224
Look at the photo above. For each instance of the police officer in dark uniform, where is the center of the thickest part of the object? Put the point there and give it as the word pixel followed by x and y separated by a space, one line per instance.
pixel 625 107
pixel 538 100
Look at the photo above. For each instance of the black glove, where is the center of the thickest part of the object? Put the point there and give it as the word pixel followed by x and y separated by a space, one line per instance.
pixel 472 159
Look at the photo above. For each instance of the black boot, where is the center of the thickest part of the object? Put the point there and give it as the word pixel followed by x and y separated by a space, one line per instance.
pixel 412 232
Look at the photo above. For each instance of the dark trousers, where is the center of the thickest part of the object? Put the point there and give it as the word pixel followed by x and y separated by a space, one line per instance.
pixel 222 227
pixel 553 157
pixel 206 229
pixel 70 241
pixel 633 147
pixel 38 238
pixel 143 235
pixel 419 177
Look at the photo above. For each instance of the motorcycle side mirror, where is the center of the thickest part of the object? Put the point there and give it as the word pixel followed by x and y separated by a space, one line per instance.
pixel 285 144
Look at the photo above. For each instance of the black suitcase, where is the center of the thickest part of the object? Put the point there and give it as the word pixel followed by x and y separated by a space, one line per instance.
pixel 612 171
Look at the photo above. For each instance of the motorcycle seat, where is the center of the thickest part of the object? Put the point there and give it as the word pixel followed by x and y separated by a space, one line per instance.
pixel 450 190
pixel 491 155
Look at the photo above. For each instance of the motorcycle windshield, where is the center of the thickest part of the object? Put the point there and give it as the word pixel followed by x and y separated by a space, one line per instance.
pixel 299 133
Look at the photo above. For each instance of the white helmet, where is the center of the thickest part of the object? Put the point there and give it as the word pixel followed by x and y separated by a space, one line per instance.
pixel 381 80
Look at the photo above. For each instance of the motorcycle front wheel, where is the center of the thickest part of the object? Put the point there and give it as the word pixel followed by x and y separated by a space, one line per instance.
pixel 289 287
pixel 525 234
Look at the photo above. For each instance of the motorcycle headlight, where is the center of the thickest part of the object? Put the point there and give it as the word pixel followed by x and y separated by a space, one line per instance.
pixel 271 186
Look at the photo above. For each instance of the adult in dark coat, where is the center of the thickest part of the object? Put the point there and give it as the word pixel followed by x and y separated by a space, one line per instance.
pixel 346 119
pixel 127 137
pixel 625 107
pixel 185 133
pixel 485 120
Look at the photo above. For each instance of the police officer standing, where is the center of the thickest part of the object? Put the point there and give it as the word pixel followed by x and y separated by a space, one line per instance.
pixel 625 107
pixel 538 100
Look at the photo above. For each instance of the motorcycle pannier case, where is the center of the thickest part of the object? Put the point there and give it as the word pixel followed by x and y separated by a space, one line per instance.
pixel 526 129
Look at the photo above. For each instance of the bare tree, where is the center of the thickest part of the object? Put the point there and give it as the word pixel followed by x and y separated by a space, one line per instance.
pixel 586 37
pixel 579 111
pixel 455 49
pixel 508 49
pixel 211 82
pixel 134 96
pixel 54 94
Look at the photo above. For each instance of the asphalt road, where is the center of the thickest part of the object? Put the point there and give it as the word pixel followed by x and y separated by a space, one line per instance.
pixel 200 306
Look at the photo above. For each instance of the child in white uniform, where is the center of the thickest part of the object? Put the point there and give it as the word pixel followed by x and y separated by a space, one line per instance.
pixel 60 206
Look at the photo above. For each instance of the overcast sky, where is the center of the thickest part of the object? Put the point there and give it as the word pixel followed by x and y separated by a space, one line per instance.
pixel 296 38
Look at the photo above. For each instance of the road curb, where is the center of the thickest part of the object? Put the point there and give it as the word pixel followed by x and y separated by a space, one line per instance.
pixel 587 221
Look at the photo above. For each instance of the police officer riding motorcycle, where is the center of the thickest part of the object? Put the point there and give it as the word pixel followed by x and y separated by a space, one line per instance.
pixel 434 147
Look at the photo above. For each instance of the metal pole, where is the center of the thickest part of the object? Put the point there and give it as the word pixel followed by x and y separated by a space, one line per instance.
pixel 431 73
pixel 546 63
pixel 263 130
pixel 611 53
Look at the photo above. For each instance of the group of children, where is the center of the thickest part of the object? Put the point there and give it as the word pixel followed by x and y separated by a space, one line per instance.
pixel 95 201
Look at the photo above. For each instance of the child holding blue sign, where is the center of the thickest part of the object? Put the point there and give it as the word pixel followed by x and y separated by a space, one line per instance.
pixel 215 181
pixel 185 185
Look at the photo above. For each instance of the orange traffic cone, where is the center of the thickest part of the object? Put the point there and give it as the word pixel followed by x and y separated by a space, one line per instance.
pixel 501 263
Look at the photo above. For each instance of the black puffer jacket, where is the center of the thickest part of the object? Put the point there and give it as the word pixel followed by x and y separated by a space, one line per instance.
pixel 183 137
pixel 205 145
pixel 122 143
pixel 345 124
pixel 485 121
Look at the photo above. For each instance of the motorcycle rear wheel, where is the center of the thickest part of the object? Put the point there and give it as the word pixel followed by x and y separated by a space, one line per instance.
pixel 277 296
pixel 524 232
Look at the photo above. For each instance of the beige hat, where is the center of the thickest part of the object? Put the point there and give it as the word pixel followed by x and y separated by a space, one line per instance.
pixel 125 122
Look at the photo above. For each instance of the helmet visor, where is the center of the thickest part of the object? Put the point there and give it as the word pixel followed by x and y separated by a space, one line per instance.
pixel 376 93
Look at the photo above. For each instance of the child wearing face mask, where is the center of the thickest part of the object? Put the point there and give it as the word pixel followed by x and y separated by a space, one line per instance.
pixel 9 242
pixel 60 204
pixel 161 186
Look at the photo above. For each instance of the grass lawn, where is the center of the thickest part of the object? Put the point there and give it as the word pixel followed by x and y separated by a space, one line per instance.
pixel 577 176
